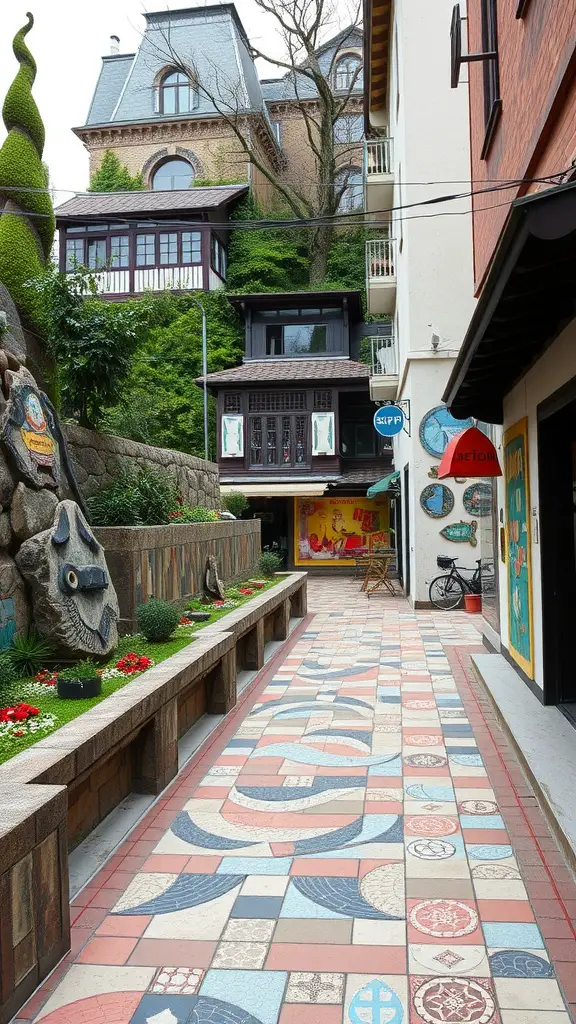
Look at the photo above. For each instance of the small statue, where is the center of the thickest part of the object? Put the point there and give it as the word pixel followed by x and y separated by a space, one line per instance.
pixel 212 583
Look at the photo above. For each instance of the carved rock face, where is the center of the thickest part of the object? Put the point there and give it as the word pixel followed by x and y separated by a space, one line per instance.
pixel 27 431
pixel 74 603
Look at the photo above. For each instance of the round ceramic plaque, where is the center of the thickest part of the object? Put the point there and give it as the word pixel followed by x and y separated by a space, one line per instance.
pixel 437 500
pixel 477 499
pixel 437 429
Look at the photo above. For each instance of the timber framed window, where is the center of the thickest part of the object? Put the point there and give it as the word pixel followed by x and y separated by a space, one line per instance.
pixel 279 440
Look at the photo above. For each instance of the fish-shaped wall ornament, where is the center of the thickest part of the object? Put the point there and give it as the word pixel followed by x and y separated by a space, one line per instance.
pixel 461 533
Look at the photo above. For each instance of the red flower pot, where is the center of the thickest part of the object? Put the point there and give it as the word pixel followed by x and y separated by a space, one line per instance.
pixel 473 603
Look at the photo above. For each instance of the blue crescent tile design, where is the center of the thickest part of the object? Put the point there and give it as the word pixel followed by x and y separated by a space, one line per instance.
pixel 340 895
pixel 373 828
pixel 369 1004
pixel 333 841
pixel 187 891
pixel 307 755
pixel 467 760
pixel 322 783
pixel 517 963
pixel 184 828
pixel 489 852
pixel 444 794
pixel 336 673
pixel 354 734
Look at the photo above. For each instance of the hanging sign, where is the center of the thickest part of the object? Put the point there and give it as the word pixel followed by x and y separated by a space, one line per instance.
pixel 389 420
pixel 470 453
pixel 461 533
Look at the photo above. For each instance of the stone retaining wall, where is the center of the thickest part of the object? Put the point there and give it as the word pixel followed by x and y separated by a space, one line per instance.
pixel 169 561
pixel 55 792
pixel 99 458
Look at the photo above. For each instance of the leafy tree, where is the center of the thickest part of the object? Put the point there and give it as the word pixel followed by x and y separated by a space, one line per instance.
pixel 161 381
pixel 111 176
pixel 266 260
pixel 27 219
pixel 91 340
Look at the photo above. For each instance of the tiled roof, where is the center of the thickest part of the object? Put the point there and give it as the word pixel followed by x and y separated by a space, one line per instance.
pixel 107 204
pixel 360 477
pixel 270 371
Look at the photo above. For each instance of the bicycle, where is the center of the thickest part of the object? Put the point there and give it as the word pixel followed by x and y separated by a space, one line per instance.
pixel 447 591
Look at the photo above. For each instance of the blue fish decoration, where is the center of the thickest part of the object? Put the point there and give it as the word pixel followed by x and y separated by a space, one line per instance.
pixel 461 533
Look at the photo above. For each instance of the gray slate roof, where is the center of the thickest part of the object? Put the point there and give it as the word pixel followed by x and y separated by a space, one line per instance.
pixel 211 39
pixel 277 89
pixel 272 371
pixel 107 204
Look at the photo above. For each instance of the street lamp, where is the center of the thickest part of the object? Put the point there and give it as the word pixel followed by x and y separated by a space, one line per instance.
pixel 204 373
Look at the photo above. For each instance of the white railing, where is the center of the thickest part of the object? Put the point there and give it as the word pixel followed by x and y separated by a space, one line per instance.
pixel 158 279
pixel 384 357
pixel 381 259
pixel 378 156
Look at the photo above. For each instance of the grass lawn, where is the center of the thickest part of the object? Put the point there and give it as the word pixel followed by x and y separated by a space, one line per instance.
pixel 60 711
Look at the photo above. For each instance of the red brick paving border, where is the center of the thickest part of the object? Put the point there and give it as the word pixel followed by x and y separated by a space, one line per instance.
pixel 548 878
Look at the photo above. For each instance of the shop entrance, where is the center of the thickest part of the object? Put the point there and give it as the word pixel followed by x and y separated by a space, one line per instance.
pixel 557 492
pixel 273 516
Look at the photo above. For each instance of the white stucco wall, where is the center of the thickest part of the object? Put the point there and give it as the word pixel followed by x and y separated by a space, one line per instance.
pixel 429 126
pixel 555 368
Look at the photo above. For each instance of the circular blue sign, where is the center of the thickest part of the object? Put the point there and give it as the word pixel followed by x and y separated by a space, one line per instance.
pixel 389 420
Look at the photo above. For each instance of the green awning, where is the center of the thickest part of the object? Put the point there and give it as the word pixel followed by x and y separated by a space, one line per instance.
pixel 386 484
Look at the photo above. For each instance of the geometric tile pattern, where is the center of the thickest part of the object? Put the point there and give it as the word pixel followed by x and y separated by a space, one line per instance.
pixel 339 855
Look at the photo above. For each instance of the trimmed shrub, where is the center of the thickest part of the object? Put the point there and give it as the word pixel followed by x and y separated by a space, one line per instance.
pixel 157 619
pixel 235 503
pixel 270 563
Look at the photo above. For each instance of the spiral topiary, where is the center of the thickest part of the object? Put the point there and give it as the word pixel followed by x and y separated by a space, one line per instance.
pixel 27 221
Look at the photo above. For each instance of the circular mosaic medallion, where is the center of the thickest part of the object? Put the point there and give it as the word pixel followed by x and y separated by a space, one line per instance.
pixel 425 761
pixel 431 825
pixel 431 849
pixel 437 429
pixel 420 705
pixel 494 871
pixel 519 963
pixel 422 740
pixel 444 919
pixel 477 499
pixel 443 1000
pixel 436 500
pixel 383 888
pixel 479 807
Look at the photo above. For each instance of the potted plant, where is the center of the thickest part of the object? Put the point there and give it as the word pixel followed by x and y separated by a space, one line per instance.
pixel 80 680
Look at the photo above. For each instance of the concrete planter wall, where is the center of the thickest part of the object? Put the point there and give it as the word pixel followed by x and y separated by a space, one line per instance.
pixel 54 793
pixel 169 561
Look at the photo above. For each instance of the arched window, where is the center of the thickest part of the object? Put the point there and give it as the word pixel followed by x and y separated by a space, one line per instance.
pixel 351 183
pixel 346 68
pixel 173 174
pixel 177 96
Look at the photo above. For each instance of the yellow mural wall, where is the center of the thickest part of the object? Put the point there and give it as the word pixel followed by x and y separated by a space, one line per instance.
pixel 336 531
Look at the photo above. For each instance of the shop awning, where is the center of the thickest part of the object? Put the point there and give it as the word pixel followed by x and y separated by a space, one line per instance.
pixel 266 490
pixel 527 299
pixel 386 484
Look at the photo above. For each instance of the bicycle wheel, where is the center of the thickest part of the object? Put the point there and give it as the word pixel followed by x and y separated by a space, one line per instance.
pixel 446 592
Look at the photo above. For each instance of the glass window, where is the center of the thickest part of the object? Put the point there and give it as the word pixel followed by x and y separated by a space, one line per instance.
pixel 274 341
pixel 349 129
pixel 74 253
pixel 346 68
pixel 120 251
pixel 97 227
pixel 177 94
pixel 295 339
pixel 145 250
pixel 256 441
pixel 96 253
pixel 191 247
pixel 218 256
pixel 169 247
pixel 349 183
pixel 271 440
pixel 173 174
pixel 276 129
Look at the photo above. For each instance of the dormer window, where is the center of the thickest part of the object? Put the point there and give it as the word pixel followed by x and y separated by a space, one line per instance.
pixel 348 71
pixel 177 95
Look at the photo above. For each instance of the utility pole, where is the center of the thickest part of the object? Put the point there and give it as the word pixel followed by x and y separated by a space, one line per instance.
pixel 204 373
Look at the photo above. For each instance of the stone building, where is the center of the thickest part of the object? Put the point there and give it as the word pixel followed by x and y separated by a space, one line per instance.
pixel 158 123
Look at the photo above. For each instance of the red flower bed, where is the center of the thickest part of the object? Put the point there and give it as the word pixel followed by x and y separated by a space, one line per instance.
pixel 246 591
pixel 18 713
pixel 132 663
pixel 46 677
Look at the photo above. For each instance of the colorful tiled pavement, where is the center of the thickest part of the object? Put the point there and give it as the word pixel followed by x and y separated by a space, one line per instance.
pixel 357 845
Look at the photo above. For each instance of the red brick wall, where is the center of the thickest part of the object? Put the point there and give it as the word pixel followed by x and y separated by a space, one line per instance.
pixel 536 134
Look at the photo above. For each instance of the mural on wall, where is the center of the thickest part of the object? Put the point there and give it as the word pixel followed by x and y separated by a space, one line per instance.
pixel 437 500
pixel 461 533
pixel 339 530
pixel 477 499
pixel 518 546
pixel 437 429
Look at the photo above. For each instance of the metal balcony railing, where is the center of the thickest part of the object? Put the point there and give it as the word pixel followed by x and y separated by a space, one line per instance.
pixel 384 361
pixel 378 156
pixel 381 259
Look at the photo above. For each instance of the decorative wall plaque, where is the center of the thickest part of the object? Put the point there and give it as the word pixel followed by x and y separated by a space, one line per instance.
pixel 477 499
pixel 461 533
pixel 437 500
pixel 437 429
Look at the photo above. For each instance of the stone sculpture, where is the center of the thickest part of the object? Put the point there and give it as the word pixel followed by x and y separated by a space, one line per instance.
pixel 52 569
pixel 213 585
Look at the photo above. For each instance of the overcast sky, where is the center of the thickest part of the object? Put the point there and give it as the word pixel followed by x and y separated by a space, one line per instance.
pixel 68 39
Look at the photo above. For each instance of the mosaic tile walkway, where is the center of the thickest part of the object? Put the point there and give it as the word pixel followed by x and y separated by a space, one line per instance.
pixel 357 846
